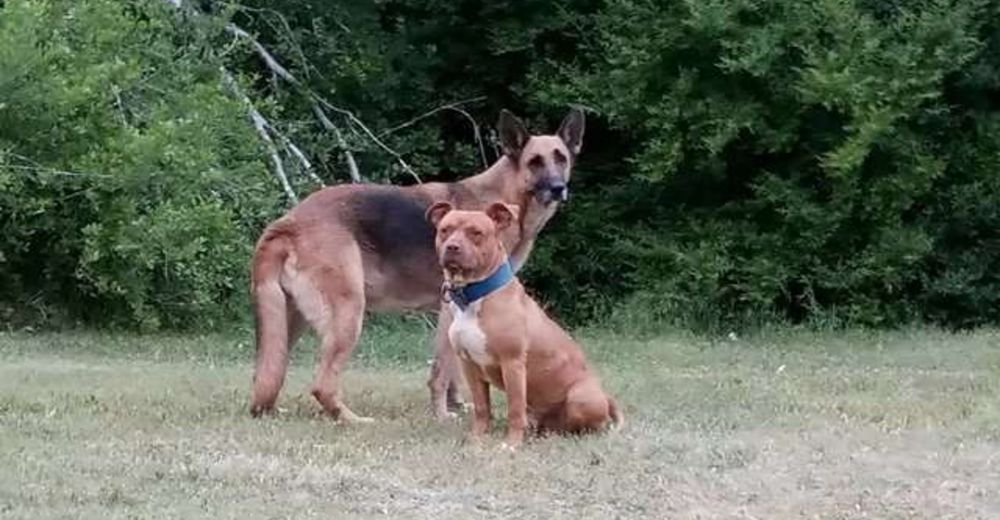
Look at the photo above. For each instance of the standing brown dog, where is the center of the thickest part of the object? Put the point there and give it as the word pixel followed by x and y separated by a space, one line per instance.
pixel 351 247
pixel 504 338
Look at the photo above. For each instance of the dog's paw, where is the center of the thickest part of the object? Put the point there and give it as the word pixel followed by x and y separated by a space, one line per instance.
pixel 459 408
pixel 446 416
pixel 506 447
pixel 348 417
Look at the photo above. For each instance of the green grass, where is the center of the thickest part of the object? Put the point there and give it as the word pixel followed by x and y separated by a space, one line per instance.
pixel 780 425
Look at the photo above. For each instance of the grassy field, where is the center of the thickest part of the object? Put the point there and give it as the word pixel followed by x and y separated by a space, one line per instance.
pixel 782 425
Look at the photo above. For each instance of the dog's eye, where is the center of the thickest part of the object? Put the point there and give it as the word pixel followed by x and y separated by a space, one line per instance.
pixel 536 161
pixel 559 157
pixel 475 234
pixel 445 230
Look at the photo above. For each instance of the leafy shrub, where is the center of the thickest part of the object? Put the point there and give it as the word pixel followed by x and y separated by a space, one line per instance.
pixel 132 186
pixel 822 160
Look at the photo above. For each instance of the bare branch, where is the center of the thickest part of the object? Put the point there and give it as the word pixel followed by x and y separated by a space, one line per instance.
pixel 281 27
pixel 283 73
pixel 297 152
pixel 475 133
pixel 455 107
pixel 119 105
pixel 268 58
pixel 352 166
pixel 371 135
pixel 315 99
pixel 318 104
pixel 260 124
pixel 306 165
pixel 429 113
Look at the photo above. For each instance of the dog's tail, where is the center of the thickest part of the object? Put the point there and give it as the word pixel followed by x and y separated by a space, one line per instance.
pixel 270 306
pixel 617 418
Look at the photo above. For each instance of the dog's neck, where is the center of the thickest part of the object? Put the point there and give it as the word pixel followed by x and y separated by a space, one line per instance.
pixel 464 292
pixel 494 183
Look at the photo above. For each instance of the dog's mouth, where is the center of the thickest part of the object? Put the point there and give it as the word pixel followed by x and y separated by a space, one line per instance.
pixel 548 193
pixel 548 197
pixel 453 265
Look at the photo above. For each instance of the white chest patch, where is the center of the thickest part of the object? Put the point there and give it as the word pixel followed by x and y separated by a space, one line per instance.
pixel 467 337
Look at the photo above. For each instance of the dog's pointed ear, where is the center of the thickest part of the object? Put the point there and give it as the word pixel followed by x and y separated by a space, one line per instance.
pixel 571 130
pixel 513 134
pixel 503 215
pixel 437 212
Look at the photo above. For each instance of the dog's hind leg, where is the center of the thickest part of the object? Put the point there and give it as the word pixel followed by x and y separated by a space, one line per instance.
pixel 337 340
pixel 587 409
pixel 445 372
pixel 332 299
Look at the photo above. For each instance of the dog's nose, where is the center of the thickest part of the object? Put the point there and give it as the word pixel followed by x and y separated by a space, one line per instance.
pixel 451 248
pixel 558 191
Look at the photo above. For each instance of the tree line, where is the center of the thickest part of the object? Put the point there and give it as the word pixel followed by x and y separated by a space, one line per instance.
pixel 829 161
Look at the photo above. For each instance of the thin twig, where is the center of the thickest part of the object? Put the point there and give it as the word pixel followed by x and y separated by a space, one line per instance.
pixel 429 113
pixel 455 107
pixel 119 105
pixel 371 135
pixel 54 171
pixel 475 133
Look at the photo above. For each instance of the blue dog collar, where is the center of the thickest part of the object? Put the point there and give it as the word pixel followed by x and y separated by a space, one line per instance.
pixel 467 294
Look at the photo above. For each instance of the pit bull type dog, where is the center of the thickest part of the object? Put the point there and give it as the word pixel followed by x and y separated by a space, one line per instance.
pixel 505 339
pixel 349 248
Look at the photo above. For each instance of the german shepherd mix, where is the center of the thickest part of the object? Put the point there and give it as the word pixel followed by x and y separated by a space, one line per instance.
pixel 352 247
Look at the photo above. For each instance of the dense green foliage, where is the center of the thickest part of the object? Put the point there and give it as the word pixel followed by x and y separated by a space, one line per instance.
pixel 130 183
pixel 775 159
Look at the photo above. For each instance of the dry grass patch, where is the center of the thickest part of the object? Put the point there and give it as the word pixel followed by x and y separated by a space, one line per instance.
pixel 900 425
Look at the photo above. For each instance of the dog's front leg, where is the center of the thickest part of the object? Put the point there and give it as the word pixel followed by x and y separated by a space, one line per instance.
pixel 481 407
pixel 515 382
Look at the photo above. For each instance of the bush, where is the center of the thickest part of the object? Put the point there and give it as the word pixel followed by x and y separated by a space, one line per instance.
pixel 822 160
pixel 132 187
pixel 816 160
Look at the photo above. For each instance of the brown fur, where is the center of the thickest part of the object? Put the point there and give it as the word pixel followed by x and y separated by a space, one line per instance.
pixel 349 248
pixel 506 340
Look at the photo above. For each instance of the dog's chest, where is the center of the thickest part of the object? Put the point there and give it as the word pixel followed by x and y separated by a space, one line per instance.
pixel 467 336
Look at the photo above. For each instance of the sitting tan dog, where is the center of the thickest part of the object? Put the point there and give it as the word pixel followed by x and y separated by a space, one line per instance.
pixel 503 337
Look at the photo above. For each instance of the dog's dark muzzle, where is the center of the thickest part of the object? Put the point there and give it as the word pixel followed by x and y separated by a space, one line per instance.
pixel 548 191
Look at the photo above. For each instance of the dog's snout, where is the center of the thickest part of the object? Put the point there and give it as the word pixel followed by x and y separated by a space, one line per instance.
pixel 559 191
pixel 451 248
pixel 551 189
